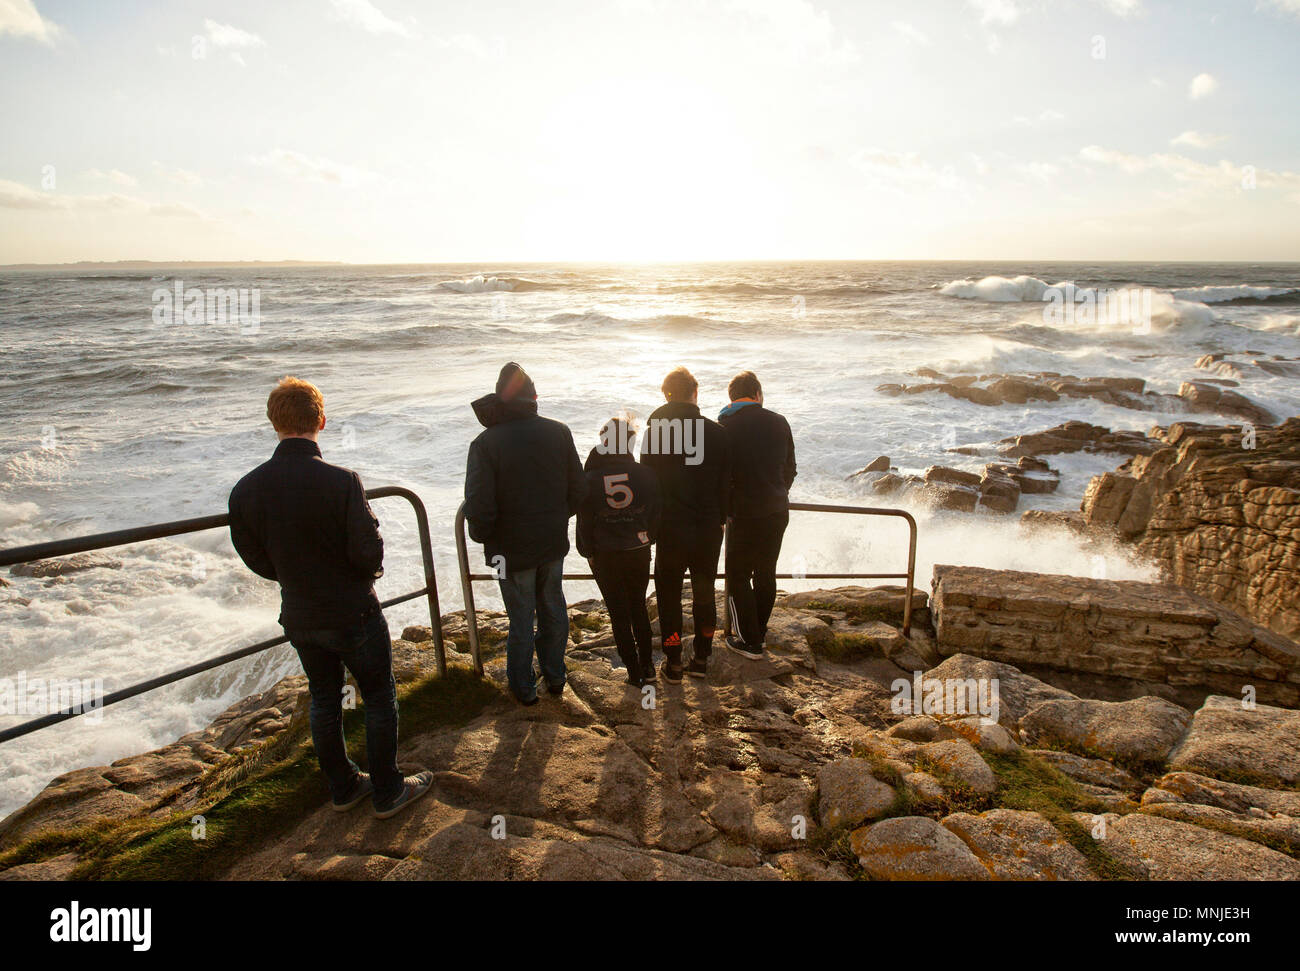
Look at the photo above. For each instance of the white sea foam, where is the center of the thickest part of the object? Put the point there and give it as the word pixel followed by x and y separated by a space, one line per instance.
pixel 1223 294
pixel 999 289
pixel 478 284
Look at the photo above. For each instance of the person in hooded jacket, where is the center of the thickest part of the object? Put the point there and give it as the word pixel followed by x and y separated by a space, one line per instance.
pixel 523 481
pixel 617 522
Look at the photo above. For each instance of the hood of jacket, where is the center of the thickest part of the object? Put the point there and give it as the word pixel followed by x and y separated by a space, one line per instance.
pixel 596 459
pixel 492 409
pixel 735 406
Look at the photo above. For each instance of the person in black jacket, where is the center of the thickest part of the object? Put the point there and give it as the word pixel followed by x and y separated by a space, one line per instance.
pixel 523 481
pixel 618 521
pixel 307 525
pixel 689 455
pixel 762 471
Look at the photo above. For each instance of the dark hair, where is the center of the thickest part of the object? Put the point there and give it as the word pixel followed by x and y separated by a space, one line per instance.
pixel 680 385
pixel 744 385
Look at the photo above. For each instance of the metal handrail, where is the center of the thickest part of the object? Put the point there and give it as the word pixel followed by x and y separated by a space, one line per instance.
pixel 140 534
pixel 468 579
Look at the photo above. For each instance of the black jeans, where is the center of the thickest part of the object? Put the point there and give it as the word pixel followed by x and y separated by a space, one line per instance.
pixel 367 652
pixel 623 576
pixel 753 546
pixel 676 555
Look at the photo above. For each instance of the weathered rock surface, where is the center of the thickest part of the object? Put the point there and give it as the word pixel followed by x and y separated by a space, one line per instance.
pixel 1165 849
pixel 734 777
pixel 1227 739
pixel 915 848
pixel 850 793
pixel 1017 845
pixel 1159 635
pixel 1219 508
pixel 1142 730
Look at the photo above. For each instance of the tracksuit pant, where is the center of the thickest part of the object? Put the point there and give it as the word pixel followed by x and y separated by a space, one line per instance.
pixel 753 546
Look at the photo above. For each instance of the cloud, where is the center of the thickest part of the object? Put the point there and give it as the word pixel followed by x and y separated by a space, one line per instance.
pixel 1123 8
pixel 1038 171
pixel 22 19
pixel 903 171
pixel 112 175
pixel 364 14
pixel 1004 12
pixel 912 33
pixel 1291 7
pixel 305 168
pixel 178 176
pixel 1202 86
pixel 224 35
pixel 1196 139
pixel 15 195
pixel 1221 175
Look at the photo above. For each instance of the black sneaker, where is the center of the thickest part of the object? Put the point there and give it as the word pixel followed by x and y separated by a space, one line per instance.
pixel 413 787
pixel 698 668
pixel 634 681
pixel 648 673
pixel 362 788
pixel 555 689
pixel 672 672
pixel 743 649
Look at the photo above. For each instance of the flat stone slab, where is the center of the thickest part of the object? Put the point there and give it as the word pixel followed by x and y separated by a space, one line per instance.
pixel 1142 729
pixel 1165 849
pixel 1226 739
pixel 850 793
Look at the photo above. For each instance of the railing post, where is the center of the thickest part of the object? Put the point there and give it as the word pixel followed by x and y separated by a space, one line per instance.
pixel 467 589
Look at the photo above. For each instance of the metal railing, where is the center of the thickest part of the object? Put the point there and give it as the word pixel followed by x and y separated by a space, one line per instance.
pixel 468 579
pixel 140 534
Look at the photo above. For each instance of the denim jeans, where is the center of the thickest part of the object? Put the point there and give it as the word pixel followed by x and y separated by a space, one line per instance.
pixel 367 652
pixel 535 594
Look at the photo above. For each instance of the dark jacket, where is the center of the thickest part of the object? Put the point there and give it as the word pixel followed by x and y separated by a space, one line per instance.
pixel 694 496
pixel 523 481
pixel 762 466
pixel 306 524
pixel 622 510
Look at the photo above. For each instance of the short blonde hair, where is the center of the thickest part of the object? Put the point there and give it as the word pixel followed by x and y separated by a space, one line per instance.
pixel 295 407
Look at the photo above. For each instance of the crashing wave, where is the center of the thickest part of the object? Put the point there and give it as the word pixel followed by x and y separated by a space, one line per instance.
pixel 999 289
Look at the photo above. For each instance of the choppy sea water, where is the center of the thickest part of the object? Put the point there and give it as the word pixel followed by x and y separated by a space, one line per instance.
pixel 111 418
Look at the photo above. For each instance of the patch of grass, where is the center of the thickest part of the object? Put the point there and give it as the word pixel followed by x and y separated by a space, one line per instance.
pixel 858 613
pixel 1029 783
pixel 841 646
pixel 246 800
pixel 491 642
pixel 1144 770
pixel 588 622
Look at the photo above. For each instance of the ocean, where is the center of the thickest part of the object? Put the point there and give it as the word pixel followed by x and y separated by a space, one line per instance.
pixel 114 413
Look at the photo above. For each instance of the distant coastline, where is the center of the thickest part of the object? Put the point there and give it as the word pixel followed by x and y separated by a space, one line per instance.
pixel 151 264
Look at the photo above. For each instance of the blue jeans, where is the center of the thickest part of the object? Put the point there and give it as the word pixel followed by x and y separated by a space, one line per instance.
pixel 367 652
pixel 528 594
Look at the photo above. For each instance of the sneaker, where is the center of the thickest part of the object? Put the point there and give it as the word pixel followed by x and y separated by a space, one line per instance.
pixel 529 702
pixel 413 787
pixel 672 672
pixel 698 668
pixel 555 689
pixel 362 788
pixel 635 681
pixel 743 649
pixel 648 673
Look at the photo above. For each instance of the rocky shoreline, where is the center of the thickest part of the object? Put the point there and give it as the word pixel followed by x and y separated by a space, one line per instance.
pixel 806 765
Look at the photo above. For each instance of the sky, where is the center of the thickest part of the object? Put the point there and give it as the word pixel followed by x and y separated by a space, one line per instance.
pixel 379 131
